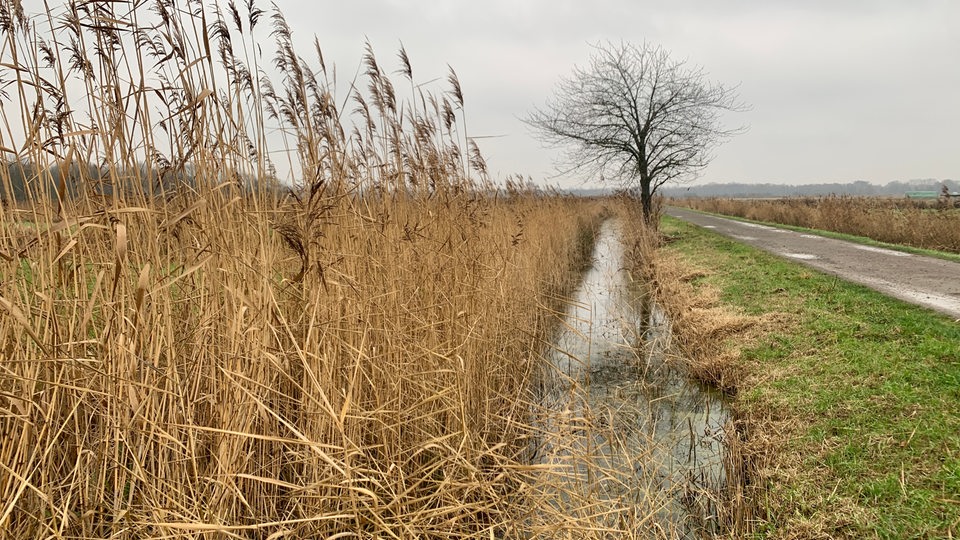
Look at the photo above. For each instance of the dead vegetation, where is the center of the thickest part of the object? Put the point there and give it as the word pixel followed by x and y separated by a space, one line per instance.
pixel 709 336
pixel 702 326
pixel 193 347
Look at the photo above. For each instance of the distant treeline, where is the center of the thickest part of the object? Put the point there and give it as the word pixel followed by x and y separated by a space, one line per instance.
pixel 21 181
pixel 860 188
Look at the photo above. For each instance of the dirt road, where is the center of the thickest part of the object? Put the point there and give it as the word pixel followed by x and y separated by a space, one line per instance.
pixel 926 281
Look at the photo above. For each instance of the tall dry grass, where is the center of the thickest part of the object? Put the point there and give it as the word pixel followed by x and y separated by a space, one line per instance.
pixel 897 221
pixel 171 387
pixel 707 337
pixel 190 349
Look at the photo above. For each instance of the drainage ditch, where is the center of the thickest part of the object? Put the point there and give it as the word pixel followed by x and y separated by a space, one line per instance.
pixel 628 439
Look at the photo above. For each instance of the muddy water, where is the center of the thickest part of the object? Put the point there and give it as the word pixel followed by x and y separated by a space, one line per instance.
pixel 626 434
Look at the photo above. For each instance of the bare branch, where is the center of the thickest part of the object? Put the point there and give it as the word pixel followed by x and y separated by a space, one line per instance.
pixel 636 117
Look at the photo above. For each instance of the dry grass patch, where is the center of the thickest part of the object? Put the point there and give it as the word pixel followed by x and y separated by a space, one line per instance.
pixel 711 336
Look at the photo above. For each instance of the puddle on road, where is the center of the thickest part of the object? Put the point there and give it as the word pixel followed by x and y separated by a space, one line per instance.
pixel 891 252
pixel 801 256
pixel 626 434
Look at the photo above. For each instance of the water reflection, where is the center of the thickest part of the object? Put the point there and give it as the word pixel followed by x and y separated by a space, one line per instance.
pixel 618 422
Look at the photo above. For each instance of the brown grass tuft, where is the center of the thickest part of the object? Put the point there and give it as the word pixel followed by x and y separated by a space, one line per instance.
pixel 710 336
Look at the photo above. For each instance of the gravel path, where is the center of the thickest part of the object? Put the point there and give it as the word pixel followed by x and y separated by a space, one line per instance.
pixel 926 281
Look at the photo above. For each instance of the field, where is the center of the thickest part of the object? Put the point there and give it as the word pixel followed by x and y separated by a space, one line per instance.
pixel 920 224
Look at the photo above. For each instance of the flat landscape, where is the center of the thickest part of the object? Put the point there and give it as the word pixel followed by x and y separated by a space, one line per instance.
pixel 247 294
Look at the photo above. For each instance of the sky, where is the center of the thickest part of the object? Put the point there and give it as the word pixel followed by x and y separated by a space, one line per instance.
pixel 839 90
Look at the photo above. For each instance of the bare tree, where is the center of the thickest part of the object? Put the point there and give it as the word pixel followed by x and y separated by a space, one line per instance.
pixel 636 117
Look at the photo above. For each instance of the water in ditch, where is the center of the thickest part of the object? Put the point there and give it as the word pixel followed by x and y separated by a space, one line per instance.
pixel 630 443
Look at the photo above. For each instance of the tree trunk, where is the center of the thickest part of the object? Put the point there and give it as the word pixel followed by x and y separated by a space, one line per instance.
pixel 646 201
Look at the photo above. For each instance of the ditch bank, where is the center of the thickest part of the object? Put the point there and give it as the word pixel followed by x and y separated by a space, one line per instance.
pixel 708 337
pixel 843 397
pixel 627 439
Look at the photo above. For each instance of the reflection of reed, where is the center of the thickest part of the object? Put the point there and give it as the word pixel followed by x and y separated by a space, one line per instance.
pixel 618 420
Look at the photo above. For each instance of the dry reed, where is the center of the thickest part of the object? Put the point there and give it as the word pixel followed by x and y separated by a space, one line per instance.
pixel 192 348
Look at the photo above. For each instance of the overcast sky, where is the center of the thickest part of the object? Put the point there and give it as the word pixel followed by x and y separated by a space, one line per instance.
pixel 840 90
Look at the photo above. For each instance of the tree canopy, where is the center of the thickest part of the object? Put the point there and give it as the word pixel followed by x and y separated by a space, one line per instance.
pixel 636 117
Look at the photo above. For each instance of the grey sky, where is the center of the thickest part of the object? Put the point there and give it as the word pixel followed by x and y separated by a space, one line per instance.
pixel 840 91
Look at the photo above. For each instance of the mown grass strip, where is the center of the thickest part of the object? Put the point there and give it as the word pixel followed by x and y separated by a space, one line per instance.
pixel 863 392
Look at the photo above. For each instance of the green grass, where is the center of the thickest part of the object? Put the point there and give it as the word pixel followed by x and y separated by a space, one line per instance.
pixel 863 240
pixel 869 385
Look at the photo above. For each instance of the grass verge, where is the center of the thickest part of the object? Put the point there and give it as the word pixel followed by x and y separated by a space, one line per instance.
pixel 847 399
